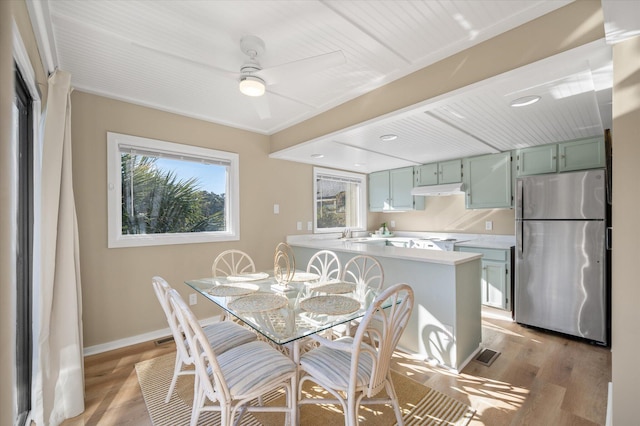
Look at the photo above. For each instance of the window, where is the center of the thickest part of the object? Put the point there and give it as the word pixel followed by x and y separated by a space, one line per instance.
pixel 339 199
pixel 167 193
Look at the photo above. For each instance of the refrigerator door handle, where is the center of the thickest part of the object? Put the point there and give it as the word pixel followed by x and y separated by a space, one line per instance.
pixel 608 235
pixel 519 236
pixel 519 200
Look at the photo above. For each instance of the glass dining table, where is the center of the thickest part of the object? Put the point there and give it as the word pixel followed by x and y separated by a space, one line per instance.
pixel 286 316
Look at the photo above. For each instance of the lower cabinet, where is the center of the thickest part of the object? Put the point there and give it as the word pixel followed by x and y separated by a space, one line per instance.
pixel 497 278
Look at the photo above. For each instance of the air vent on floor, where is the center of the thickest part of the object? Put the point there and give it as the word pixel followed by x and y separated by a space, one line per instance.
pixel 164 340
pixel 487 356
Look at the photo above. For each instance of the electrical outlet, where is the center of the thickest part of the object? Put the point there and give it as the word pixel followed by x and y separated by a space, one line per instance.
pixel 393 223
pixel 309 226
pixel 299 226
pixel 488 225
pixel 276 209
pixel 193 299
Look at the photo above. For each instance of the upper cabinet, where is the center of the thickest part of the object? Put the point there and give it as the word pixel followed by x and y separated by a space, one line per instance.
pixel 390 190
pixel 536 160
pixel 439 173
pixel 487 180
pixel 561 157
pixel 581 154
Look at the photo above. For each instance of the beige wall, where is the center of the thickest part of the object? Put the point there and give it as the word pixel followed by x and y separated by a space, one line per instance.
pixel 118 301
pixel 626 232
pixel 448 214
pixel 7 215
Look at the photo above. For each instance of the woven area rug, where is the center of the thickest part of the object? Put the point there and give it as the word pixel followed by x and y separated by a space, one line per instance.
pixel 420 404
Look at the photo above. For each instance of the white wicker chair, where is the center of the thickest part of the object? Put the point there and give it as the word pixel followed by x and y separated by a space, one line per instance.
pixel 326 264
pixel 366 273
pixel 356 369
pixel 235 378
pixel 221 336
pixel 232 262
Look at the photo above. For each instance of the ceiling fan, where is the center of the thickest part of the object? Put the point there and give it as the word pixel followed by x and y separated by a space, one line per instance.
pixel 253 79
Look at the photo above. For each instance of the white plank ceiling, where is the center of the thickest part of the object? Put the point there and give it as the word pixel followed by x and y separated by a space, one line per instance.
pixel 184 56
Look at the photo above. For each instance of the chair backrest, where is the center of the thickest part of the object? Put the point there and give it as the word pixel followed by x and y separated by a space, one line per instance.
pixel 162 289
pixel 381 329
pixel 232 262
pixel 365 271
pixel 326 264
pixel 203 356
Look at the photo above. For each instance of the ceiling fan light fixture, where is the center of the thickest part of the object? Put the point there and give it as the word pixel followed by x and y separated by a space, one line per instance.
pixel 252 86
pixel 524 101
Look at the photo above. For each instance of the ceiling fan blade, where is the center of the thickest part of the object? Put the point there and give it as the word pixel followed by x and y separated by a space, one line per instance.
pixel 261 105
pixel 302 67
pixel 220 71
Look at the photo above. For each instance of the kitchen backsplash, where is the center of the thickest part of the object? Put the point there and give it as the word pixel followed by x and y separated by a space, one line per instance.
pixel 448 214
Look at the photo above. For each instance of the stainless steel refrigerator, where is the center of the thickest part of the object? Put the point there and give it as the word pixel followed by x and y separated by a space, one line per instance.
pixel 561 282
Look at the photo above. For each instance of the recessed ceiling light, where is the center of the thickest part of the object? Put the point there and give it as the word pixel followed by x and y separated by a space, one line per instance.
pixel 359 164
pixel 524 101
pixel 317 155
pixel 387 138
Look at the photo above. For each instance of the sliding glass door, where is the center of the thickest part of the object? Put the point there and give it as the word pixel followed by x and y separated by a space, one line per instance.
pixel 23 137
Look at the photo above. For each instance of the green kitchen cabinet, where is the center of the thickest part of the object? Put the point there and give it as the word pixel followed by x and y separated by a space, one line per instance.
pixel 487 180
pixel 390 190
pixel 536 160
pixel 496 279
pixel 439 173
pixel 581 154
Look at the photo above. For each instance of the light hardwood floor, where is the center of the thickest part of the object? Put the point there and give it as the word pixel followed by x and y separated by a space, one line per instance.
pixel 538 379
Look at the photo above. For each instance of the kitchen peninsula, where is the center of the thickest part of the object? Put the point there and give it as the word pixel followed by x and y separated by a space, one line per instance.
pixel 445 326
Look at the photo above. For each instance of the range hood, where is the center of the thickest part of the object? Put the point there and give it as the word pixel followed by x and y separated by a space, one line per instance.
pixel 435 190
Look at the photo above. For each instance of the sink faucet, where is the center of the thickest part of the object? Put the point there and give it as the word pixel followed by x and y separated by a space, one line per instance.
pixel 346 233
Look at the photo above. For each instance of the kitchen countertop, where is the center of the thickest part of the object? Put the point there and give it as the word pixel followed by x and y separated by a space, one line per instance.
pixel 420 255
pixel 502 242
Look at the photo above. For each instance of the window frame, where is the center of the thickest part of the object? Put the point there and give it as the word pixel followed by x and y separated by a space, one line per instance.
pixel 361 203
pixel 114 192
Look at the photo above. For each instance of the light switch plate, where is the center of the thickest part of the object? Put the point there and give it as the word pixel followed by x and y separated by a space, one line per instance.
pixel 276 208
pixel 193 299
pixel 299 226
pixel 309 226
pixel 488 225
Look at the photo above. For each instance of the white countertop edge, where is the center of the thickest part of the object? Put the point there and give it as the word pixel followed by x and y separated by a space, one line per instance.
pixel 452 258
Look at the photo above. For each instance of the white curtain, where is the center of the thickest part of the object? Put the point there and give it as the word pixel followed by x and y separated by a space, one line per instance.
pixel 58 384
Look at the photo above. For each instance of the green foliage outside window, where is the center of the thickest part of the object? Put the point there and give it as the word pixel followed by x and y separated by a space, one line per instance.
pixel 155 201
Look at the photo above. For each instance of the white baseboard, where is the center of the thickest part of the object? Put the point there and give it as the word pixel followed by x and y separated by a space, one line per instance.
pixel 609 418
pixel 140 338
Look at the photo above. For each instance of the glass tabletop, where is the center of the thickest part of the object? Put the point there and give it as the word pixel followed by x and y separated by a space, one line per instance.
pixel 305 308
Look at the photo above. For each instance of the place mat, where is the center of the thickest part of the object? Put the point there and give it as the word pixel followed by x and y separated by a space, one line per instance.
pixel 330 305
pixel 254 276
pixel 260 302
pixel 420 404
pixel 304 276
pixel 237 289
pixel 338 287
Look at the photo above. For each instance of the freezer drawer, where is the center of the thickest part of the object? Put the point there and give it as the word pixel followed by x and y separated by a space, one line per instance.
pixel 560 277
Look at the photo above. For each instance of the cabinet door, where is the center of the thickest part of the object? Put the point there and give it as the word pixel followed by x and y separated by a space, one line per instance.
pixel 450 171
pixel 494 284
pixel 427 174
pixel 488 181
pixel 379 191
pixel 536 160
pixel 580 155
pixel 401 184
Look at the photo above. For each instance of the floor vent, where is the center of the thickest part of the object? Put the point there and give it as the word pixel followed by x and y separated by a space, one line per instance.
pixel 164 340
pixel 487 356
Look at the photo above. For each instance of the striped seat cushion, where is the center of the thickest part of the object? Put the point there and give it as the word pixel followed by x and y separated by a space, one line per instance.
pixel 334 366
pixel 253 366
pixel 226 335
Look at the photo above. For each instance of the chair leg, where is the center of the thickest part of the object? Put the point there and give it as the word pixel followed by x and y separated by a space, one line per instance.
pixel 176 371
pixel 394 402
pixel 352 412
